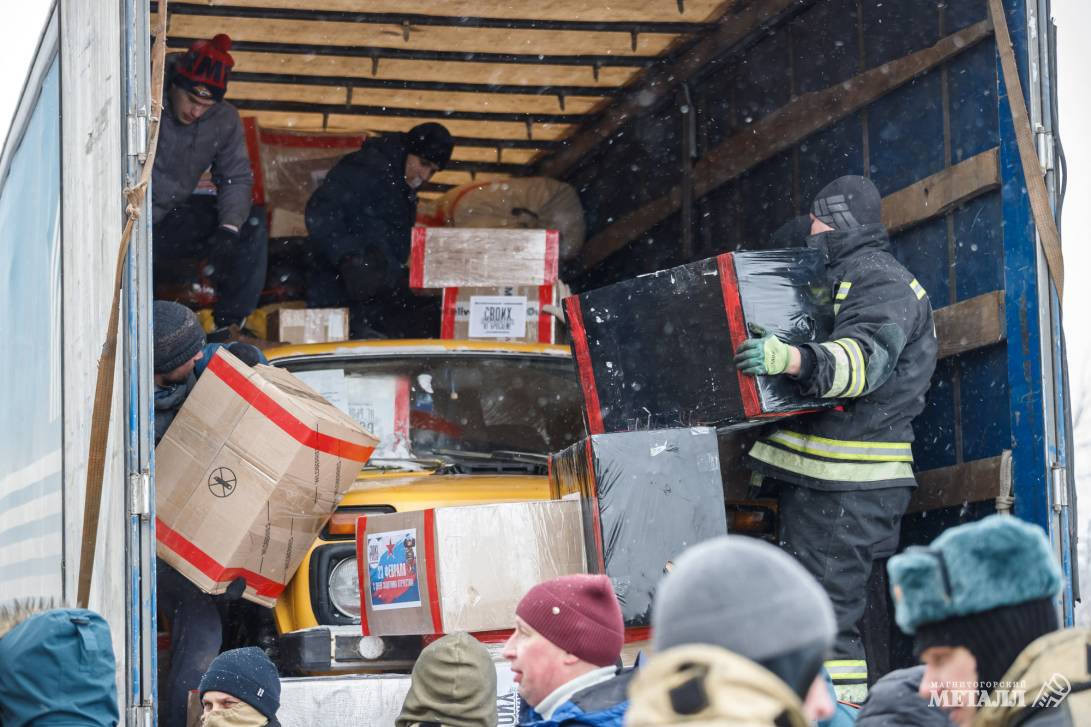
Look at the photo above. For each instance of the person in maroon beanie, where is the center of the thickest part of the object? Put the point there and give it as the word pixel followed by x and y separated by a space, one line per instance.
pixel 565 653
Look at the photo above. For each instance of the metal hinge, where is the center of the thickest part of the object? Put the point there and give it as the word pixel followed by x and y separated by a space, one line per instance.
pixel 140 494
pixel 138 134
pixel 1060 487
pixel 1044 142
pixel 140 715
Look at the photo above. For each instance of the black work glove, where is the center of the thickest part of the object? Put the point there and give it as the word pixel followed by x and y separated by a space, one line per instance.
pixel 235 589
pixel 224 238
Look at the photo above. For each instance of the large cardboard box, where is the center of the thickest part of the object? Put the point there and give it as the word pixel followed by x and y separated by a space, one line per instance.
pixel 646 497
pixel 308 325
pixel 658 350
pixel 247 475
pixel 449 257
pixel 500 314
pixel 461 568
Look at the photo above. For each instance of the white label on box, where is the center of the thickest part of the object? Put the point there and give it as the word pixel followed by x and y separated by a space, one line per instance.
pixel 498 316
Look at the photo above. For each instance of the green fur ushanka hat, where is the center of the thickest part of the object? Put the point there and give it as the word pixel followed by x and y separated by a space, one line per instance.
pixel 995 562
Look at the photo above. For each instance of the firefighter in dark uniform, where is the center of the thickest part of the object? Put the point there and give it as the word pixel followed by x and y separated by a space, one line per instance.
pixel 845 476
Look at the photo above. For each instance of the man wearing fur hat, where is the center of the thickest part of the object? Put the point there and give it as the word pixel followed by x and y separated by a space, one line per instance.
pixel 844 476
pixel 979 603
pixel 565 652
pixel 360 221
pixel 199 130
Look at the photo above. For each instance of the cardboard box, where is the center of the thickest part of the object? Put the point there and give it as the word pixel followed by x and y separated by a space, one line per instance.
pixel 449 257
pixel 461 568
pixel 500 314
pixel 248 474
pixel 657 350
pixel 646 497
pixel 309 325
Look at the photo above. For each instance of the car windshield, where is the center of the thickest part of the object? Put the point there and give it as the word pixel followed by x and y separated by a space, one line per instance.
pixel 443 406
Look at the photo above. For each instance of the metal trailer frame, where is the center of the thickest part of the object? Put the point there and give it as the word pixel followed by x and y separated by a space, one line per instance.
pixel 1043 476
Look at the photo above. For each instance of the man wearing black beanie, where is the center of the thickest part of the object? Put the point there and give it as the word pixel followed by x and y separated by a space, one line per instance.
pixel 844 476
pixel 360 221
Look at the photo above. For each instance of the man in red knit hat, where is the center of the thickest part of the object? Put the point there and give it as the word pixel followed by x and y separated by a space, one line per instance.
pixel 198 131
pixel 565 653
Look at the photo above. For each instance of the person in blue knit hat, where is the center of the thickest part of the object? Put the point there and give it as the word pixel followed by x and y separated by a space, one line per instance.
pixel 979 602
pixel 240 689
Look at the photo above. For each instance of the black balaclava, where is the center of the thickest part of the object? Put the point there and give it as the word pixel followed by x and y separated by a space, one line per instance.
pixel 995 637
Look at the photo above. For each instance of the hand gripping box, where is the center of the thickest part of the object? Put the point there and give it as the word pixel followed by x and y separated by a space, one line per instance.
pixel 452 257
pixel 247 475
pixel 646 497
pixel 658 350
pixel 461 568
pixel 500 314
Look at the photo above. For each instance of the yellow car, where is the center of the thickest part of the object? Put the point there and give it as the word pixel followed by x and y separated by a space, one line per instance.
pixel 459 423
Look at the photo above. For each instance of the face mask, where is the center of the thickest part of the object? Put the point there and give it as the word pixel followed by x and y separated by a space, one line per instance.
pixel 241 715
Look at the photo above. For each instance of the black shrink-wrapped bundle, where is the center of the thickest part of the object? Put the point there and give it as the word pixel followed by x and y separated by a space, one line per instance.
pixel 646 496
pixel 657 350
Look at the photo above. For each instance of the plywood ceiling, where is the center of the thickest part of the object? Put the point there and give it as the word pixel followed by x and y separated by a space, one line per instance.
pixel 509 79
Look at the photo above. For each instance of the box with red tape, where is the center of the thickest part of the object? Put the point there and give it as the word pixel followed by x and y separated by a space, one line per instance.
pixel 247 475
pixel 461 568
pixel 658 350
pixel 454 257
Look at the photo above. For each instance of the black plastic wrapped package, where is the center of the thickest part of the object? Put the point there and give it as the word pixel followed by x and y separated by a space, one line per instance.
pixel 657 350
pixel 646 496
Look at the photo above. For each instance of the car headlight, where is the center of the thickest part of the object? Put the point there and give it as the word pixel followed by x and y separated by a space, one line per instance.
pixel 344 585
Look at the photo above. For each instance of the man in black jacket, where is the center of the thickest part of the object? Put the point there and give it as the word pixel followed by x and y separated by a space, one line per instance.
pixel 360 221
pixel 845 475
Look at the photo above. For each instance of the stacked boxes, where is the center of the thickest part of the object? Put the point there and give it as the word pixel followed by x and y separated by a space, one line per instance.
pixel 645 497
pixel 495 281
pixel 308 325
pixel 657 350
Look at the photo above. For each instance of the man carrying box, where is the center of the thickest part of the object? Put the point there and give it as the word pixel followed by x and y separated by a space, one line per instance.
pixel 565 651
pixel 845 476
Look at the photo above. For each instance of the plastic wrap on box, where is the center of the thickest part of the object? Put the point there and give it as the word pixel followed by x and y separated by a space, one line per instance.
pixel 461 568
pixel 519 202
pixel 247 475
pixel 372 699
pixel 646 497
pixel 657 350
pixel 499 314
pixel 309 325
pixel 447 257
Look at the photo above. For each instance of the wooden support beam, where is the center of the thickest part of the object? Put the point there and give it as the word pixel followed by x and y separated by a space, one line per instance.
pixel 942 191
pixel 971 324
pixel 660 82
pixel 779 131
pixel 977 481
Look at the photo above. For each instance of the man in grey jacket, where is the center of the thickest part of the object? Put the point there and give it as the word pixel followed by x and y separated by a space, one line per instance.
pixel 200 130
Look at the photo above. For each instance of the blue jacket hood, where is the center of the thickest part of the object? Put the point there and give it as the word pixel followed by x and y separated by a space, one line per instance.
pixel 57 669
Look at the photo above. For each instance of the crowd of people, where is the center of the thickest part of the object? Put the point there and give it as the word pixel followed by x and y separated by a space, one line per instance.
pixel 740 631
